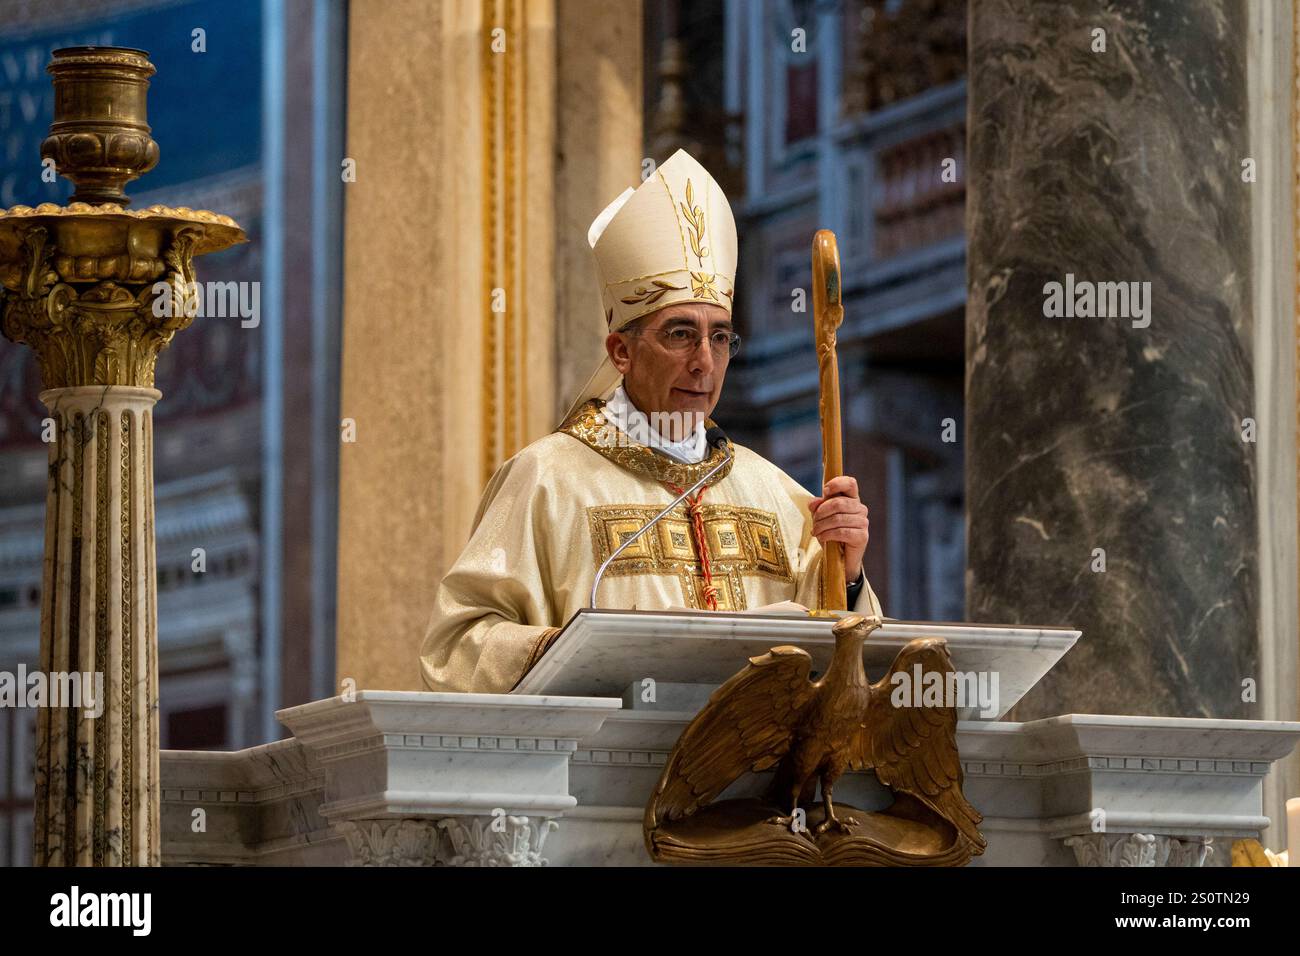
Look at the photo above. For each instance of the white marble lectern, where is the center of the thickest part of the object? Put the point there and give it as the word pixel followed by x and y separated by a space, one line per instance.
pixel 560 771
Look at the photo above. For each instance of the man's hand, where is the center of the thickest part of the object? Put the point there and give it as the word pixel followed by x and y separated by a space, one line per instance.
pixel 838 515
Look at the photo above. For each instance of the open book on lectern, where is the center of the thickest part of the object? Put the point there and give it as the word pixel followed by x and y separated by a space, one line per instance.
pixel 600 653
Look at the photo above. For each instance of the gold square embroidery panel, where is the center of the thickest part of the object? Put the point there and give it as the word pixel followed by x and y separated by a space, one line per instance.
pixel 740 541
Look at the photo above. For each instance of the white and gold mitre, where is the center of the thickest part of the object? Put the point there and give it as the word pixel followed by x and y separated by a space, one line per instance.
pixel 670 240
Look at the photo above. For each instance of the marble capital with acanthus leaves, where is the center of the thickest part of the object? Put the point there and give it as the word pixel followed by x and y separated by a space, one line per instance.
pixel 495 840
pixel 1140 849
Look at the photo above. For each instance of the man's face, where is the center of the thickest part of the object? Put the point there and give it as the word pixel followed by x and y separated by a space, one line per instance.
pixel 659 378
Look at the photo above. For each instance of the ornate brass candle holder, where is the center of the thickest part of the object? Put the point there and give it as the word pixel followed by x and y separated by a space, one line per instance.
pixel 80 284
pixel 100 136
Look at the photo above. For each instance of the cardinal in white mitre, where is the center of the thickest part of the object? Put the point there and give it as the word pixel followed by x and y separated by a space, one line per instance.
pixel 632 442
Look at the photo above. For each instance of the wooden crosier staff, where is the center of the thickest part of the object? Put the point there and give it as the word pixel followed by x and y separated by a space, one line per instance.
pixel 828 313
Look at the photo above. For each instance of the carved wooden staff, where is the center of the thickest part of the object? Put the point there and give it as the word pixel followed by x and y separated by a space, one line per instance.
pixel 828 313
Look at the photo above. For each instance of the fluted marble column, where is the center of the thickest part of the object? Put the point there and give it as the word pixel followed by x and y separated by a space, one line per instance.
pixel 97 773
pixel 97 340
pixel 1110 478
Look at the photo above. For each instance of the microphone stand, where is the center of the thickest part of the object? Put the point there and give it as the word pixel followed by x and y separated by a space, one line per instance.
pixel 653 521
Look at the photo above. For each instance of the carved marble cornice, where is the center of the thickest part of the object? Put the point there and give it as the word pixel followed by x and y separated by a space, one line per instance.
pixel 476 743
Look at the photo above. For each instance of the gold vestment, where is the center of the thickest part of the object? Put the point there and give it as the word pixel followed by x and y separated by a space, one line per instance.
pixel 555 511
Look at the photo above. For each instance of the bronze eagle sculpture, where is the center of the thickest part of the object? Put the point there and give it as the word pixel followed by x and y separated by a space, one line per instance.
pixel 771 714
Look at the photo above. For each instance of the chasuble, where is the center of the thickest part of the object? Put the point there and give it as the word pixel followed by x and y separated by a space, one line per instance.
pixel 553 513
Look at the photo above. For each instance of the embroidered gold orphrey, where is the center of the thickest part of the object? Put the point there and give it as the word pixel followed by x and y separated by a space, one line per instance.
pixel 740 540
pixel 589 427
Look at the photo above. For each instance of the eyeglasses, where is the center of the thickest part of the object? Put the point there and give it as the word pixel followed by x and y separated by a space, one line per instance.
pixel 685 339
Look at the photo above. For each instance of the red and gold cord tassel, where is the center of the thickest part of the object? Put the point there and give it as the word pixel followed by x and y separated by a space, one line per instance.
pixel 701 547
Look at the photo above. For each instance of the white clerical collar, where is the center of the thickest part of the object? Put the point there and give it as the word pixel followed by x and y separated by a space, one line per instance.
pixel 625 416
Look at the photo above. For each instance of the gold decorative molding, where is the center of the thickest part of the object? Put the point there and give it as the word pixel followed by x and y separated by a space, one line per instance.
pixel 503 84
pixel 902 49
pixel 487 85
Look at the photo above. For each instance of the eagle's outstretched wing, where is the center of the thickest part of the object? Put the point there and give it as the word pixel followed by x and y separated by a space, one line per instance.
pixel 747 725
pixel 914 749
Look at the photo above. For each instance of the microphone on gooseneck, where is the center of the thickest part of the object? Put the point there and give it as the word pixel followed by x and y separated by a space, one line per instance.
pixel 715 437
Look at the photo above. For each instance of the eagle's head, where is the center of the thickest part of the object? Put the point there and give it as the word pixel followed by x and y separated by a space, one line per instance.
pixel 854 627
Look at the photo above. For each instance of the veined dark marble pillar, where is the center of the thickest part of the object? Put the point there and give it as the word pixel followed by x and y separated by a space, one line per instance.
pixel 1105 432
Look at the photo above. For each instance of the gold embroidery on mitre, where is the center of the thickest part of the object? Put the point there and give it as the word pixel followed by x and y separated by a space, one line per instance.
pixel 662 291
pixel 652 275
pixel 672 202
pixel 642 294
pixel 695 217
pixel 701 286
pixel 590 427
